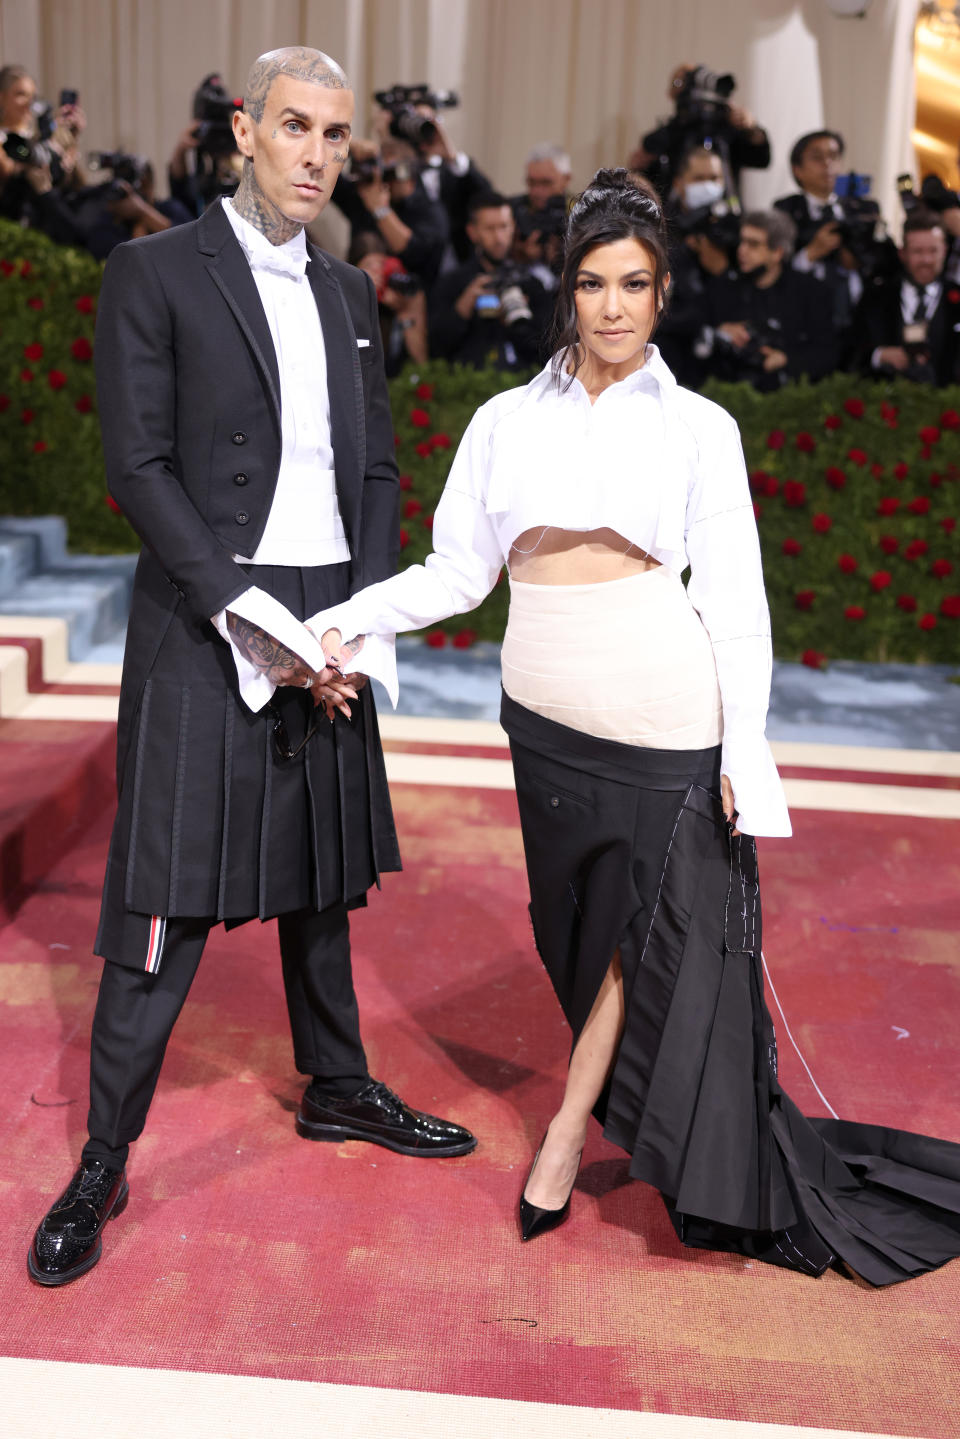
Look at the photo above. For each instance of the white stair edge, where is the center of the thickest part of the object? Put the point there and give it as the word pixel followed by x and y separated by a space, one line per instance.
pixel 54 635
pixel 13 680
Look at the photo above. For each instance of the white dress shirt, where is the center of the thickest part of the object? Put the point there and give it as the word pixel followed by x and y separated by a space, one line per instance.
pixel 304 526
pixel 660 465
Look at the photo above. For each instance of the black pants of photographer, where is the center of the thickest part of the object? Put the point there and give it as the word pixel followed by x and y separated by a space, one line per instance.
pixel 136 1013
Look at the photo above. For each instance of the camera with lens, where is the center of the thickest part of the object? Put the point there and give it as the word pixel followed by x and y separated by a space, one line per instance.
pixel 127 170
pixel 24 149
pixel 934 195
pixel 504 298
pixel 406 122
pixel 551 220
pixel 213 111
pixel 720 223
pixel 703 98
pixel 862 230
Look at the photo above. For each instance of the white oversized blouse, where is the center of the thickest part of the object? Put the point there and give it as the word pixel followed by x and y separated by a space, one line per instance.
pixel 660 465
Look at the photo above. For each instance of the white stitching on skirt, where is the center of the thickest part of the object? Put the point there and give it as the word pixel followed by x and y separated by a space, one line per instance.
pixel 663 875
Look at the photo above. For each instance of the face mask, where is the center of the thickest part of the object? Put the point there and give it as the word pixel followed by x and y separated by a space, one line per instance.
pixel 702 192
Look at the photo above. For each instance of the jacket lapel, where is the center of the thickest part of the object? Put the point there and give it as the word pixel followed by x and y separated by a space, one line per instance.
pixel 228 268
pixel 345 388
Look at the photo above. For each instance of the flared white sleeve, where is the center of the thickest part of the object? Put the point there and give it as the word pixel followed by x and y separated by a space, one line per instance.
pixel 458 575
pixel 726 589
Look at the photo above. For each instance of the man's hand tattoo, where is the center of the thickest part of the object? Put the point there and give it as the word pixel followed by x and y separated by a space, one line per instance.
pixel 267 654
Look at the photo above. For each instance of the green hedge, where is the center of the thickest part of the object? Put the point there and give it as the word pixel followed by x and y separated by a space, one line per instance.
pixel 856 484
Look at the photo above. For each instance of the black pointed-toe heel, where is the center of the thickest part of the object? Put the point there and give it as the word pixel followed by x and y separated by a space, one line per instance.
pixel 533 1219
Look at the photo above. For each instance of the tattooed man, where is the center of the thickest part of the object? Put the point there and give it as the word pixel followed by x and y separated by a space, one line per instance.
pixel 248 439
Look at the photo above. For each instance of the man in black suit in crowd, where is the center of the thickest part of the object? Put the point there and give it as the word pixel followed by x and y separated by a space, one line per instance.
pixel 489 310
pixel 767 323
pixel 909 323
pixel 248 438
pixel 826 223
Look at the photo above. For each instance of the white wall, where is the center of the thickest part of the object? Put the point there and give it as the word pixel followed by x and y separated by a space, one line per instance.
pixel 590 74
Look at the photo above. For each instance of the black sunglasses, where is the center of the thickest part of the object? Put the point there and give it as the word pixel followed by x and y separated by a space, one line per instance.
pixel 281 740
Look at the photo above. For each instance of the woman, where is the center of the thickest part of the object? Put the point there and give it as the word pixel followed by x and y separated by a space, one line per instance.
pixel 636 715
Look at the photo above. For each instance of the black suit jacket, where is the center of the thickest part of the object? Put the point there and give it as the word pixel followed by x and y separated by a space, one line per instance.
pixel 189 399
pixel 878 322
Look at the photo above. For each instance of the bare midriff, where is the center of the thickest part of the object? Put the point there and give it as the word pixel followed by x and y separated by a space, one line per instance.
pixel 545 555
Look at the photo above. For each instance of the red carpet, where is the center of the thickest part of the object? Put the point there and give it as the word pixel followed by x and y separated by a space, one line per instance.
pixel 247 1250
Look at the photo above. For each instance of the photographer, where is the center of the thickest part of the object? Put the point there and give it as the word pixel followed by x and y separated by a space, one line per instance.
pixel 840 238
pixel 38 155
pixel 767 323
pixel 703 227
pixel 401 304
pixel 541 212
pixel 704 115
pixel 384 195
pixel 907 324
pixel 205 163
pixel 490 309
pixel 125 208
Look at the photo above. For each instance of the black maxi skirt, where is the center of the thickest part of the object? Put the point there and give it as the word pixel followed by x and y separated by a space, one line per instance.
pixel 627 848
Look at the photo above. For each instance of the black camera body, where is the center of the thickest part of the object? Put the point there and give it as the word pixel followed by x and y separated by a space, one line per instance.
pixel 719 222
pixel 551 220
pixel 23 148
pixel 934 195
pixel 406 123
pixel 703 98
pixel 17 147
pixel 125 167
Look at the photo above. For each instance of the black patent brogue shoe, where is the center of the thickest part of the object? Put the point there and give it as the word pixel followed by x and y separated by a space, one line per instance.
pixel 68 1241
pixel 378 1115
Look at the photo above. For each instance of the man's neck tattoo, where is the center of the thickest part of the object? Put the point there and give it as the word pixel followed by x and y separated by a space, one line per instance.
pixel 253 205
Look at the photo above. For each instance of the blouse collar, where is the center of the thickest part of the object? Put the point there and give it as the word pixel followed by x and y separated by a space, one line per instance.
pixel 655 374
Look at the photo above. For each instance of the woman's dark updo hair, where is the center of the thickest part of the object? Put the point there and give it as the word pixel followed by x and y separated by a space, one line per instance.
pixel 614 206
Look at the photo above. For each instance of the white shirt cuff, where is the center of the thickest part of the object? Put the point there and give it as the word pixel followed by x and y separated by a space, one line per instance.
pixel 377 658
pixel 262 609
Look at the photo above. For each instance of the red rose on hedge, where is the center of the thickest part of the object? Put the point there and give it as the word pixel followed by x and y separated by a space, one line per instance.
pixel 26 269
pixel 776 440
pixel 880 579
pixel 26 376
pixel 929 434
pixel 950 607
pixel 915 549
pixel 26 417
pixel 771 486
pixel 84 303
pixel 6 268
pixel 794 494
pixel 791 547
pixel 906 602
pixel 889 506
pixel 889 544
pixel 84 405
pixel 56 379
pixel 857 457
pixel 927 622
pixel 835 478
pixel 436 639
pixel 35 302
pixel 440 441
pixel 757 510
pixel 411 508
pixel 888 411
pixel 950 420
pixel 404 537
pixel 405 482
pixel 847 564
pixel 876 471
pixel 81 349
pixel 919 506
pixel 854 612
pixel 854 407
pixel 804 599
pixel 806 443
pixel 948 523
pixel 463 639
pixel 4 403
pixel 420 419
pixel 901 471
pixel 822 524
pixel 832 422
pixel 941 568
pixel 813 658
pixel 424 392
pixel 33 352
pixel 111 504
pixel 428 522
pixel 758 478
pixel 424 449
pixel 39 447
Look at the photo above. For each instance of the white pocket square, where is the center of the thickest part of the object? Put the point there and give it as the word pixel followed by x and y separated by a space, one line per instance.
pixel 363 344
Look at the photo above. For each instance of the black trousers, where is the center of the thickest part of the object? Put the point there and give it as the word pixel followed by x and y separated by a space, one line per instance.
pixel 136 1013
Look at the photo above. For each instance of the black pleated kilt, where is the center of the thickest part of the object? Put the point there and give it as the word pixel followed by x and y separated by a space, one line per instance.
pixel 627 848
pixel 211 821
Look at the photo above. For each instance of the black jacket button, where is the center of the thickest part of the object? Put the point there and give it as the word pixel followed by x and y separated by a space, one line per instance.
pixel 240 479
pixel 241 517
pixel 239 438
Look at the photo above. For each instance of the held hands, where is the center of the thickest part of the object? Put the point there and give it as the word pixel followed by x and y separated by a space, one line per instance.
pixel 282 666
pixel 332 688
pixel 726 799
